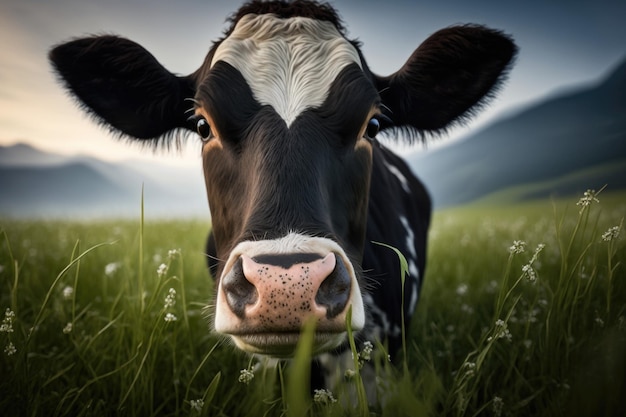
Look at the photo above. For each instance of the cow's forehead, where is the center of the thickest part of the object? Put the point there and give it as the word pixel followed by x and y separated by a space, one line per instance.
pixel 289 64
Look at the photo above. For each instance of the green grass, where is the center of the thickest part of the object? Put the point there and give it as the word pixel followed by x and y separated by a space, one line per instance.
pixel 484 341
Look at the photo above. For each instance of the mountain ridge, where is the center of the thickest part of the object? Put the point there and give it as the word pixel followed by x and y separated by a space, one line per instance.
pixel 36 183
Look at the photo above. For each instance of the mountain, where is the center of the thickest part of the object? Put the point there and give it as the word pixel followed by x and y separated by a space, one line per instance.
pixel 34 183
pixel 21 154
pixel 26 191
pixel 545 149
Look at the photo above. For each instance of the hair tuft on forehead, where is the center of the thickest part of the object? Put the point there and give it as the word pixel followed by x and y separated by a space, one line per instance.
pixel 287 9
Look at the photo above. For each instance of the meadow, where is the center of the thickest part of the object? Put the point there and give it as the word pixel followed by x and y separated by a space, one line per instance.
pixel 523 313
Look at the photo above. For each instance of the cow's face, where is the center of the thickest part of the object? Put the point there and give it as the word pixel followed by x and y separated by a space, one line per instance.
pixel 288 115
pixel 286 108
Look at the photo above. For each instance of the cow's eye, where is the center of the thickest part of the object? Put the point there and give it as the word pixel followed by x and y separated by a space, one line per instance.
pixel 373 127
pixel 203 128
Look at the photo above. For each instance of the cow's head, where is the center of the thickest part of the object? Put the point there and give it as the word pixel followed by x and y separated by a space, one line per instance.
pixel 287 111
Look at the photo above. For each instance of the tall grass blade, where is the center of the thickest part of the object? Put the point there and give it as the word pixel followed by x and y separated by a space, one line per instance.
pixel 298 390
pixel 362 409
pixel 404 271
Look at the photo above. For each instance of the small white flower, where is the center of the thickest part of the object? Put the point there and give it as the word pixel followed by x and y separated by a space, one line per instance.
pixel 518 246
pixel 245 376
pixel 169 317
pixel 529 273
pixel 462 289
pixel 527 270
pixel 68 292
pixel 469 368
pixel 501 331
pixel 111 268
pixel 162 270
pixel 170 298
pixel 172 253
pixel 322 396
pixel 366 353
pixel 492 286
pixel 197 405
pixel 68 328
pixel 7 321
pixel 611 234
pixel 10 349
pixel 497 405
pixel 467 309
pixel 350 373
pixel 589 197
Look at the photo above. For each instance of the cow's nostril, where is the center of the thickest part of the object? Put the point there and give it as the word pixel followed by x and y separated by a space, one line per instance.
pixel 239 291
pixel 334 291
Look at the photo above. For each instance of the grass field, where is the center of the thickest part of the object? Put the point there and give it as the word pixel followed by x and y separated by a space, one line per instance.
pixel 523 312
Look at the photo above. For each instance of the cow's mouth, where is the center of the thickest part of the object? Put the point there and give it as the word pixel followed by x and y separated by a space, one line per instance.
pixel 283 344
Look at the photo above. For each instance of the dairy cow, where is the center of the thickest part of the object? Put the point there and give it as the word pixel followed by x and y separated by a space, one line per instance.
pixel 299 188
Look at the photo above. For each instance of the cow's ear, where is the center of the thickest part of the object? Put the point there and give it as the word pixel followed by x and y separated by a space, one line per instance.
pixel 123 85
pixel 447 78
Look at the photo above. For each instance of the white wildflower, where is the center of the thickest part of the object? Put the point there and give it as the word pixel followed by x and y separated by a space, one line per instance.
pixel 173 253
pixel 469 369
pixel 169 317
pixel 467 309
pixel 7 321
pixel 518 246
pixel 529 273
pixel 245 376
pixel 599 321
pixel 501 331
pixel 68 292
pixel 10 349
pixel 527 270
pixel 462 289
pixel 350 373
pixel 589 197
pixel 366 353
pixel 170 298
pixel 197 405
pixel 492 286
pixel 162 270
pixel 496 406
pixel 111 268
pixel 611 234
pixel 322 396
pixel 68 328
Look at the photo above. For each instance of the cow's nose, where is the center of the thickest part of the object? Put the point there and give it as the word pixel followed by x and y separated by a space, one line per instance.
pixel 278 291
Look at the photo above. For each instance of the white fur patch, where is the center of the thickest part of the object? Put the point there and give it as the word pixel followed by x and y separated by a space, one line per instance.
pixel 289 64
pixel 403 181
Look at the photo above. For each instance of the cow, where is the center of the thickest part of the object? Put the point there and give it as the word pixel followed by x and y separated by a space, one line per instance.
pixel 300 190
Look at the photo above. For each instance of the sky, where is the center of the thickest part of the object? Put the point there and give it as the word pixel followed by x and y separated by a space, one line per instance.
pixel 563 44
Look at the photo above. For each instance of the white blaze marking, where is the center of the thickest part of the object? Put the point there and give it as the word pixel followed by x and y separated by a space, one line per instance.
pixel 288 63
